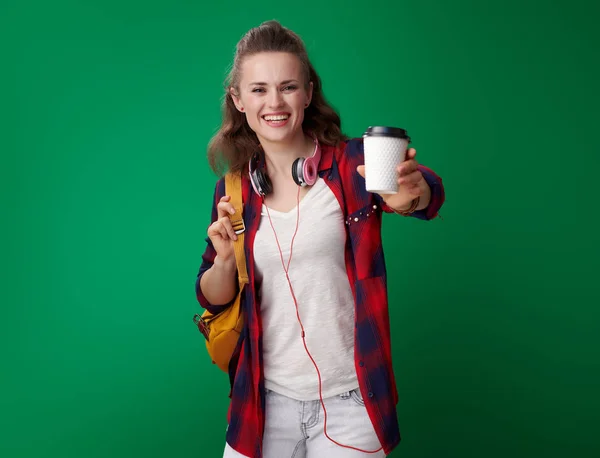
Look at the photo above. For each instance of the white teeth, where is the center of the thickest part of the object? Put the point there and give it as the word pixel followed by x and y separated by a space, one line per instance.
pixel 276 118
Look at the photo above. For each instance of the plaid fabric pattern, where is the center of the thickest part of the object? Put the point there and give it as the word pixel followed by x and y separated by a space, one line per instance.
pixel 366 270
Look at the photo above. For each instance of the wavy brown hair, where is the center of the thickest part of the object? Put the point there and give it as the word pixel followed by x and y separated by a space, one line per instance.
pixel 235 142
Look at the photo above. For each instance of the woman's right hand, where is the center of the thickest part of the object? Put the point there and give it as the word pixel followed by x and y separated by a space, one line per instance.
pixel 221 232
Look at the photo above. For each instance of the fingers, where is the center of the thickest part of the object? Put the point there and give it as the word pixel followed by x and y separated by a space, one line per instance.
pixel 407 167
pixel 412 183
pixel 409 180
pixel 224 207
pixel 361 170
pixel 222 227
pixel 226 222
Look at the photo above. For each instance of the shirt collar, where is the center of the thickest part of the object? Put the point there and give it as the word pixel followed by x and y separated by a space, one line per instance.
pixel 326 157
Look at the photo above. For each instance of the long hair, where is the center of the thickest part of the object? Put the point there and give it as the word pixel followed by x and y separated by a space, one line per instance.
pixel 235 142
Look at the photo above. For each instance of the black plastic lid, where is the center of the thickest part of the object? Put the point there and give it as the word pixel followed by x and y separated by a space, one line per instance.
pixel 383 131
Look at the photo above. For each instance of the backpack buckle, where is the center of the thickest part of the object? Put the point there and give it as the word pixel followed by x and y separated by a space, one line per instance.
pixel 238 226
pixel 202 325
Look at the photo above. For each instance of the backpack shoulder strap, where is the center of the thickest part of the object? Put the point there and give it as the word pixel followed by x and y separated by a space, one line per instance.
pixel 233 188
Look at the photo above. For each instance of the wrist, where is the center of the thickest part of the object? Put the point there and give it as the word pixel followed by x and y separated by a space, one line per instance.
pixel 403 207
pixel 408 209
pixel 226 265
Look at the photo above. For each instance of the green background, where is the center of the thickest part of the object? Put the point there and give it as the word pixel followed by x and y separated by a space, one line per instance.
pixel 107 108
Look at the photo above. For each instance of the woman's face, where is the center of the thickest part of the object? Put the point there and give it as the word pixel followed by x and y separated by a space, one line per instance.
pixel 272 94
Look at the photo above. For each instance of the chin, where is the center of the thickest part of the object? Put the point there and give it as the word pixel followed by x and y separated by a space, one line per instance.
pixel 281 136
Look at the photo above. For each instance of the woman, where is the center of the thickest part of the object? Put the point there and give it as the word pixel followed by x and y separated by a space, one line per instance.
pixel 312 373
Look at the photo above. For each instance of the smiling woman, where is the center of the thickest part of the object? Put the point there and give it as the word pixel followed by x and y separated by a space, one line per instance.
pixel 271 75
pixel 273 92
pixel 316 332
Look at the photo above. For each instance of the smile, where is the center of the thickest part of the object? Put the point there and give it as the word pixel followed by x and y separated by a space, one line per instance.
pixel 282 117
pixel 277 119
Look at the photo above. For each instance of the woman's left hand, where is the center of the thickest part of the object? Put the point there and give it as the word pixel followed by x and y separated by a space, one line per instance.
pixel 411 184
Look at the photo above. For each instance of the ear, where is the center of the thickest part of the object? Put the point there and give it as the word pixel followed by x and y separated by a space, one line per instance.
pixel 236 100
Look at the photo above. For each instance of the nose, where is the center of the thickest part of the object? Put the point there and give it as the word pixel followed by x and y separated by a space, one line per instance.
pixel 275 99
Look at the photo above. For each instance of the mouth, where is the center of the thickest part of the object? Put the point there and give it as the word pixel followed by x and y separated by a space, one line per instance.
pixel 276 119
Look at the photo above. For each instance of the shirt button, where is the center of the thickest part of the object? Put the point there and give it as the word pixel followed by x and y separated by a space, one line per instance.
pixel 361 364
pixel 370 394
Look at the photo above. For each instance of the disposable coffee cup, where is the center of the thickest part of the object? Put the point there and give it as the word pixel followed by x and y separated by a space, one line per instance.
pixel 385 148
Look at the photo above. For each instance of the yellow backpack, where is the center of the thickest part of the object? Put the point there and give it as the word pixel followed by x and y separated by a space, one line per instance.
pixel 222 331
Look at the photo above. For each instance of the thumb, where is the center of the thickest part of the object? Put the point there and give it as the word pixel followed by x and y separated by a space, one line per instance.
pixel 361 170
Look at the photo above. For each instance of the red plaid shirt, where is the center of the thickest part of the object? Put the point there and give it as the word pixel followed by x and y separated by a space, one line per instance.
pixel 367 274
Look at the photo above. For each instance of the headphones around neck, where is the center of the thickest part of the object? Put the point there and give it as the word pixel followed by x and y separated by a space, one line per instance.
pixel 304 172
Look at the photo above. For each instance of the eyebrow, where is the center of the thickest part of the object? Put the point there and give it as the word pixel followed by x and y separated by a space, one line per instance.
pixel 260 83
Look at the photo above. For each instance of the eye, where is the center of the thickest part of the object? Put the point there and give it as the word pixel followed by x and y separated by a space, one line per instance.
pixel 258 89
pixel 290 87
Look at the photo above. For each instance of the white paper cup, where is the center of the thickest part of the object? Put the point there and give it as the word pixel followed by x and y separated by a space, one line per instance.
pixel 385 148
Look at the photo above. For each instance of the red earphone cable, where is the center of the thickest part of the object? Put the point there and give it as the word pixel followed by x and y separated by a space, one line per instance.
pixel 303 335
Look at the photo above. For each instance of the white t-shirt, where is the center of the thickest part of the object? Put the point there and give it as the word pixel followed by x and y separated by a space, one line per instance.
pixel 326 306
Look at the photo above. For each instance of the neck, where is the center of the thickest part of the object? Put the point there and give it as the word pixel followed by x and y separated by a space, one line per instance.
pixel 281 156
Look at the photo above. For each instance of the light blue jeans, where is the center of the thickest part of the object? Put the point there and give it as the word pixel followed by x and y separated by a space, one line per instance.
pixel 294 429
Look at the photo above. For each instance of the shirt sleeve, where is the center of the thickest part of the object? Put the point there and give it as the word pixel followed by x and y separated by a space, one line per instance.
pixel 208 258
pixel 438 196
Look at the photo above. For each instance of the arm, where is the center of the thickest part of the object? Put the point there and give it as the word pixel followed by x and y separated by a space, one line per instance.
pixel 432 196
pixel 431 201
pixel 216 282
